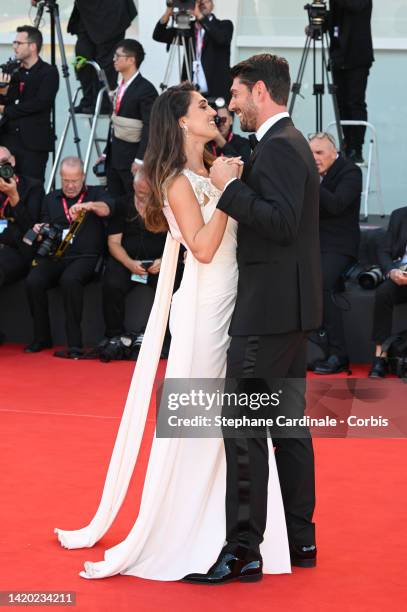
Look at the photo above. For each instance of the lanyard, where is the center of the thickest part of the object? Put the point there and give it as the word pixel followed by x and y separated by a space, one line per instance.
pixel 65 205
pixel 119 96
pixel 214 147
pixel 6 201
pixel 199 41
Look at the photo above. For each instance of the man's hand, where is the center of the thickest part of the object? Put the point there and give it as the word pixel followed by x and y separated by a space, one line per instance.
pixel 4 84
pixel 135 166
pixel 137 268
pixel 155 267
pixel 37 227
pixel 197 11
pixel 9 188
pixel 398 276
pixel 224 169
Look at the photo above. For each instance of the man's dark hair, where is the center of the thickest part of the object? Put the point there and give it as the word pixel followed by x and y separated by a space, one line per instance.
pixel 33 35
pixel 133 48
pixel 271 69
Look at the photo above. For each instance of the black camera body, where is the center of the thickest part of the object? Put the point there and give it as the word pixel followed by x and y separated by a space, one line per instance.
pixel 6 172
pixel 216 104
pixel 371 278
pixel 51 239
pixel 10 67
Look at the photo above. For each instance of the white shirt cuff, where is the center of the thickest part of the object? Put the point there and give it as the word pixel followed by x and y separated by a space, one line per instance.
pixel 138 161
pixel 230 181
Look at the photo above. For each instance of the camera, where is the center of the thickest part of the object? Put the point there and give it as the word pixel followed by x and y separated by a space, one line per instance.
pixel 6 172
pixel 10 67
pixel 99 169
pixel 216 104
pixel 317 17
pixel 371 278
pixel 182 12
pixel 120 347
pixel 52 238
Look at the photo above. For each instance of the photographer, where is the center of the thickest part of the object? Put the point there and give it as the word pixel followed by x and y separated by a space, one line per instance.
pixel 339 233
pixel 128 130
pixel 98 25
pixel 20 204
pixel 392 256
pixel 26 102
pixel 351 53
pixel 77 264
pixel 227 143
pixel 212 39
pixel 135 257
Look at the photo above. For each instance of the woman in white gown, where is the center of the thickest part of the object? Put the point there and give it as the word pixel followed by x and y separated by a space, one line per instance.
pixel 181 523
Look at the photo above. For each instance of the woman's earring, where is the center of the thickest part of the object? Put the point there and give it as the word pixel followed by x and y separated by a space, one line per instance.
pixel 185 128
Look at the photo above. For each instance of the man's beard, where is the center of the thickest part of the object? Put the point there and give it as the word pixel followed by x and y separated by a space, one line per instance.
pixel 248 120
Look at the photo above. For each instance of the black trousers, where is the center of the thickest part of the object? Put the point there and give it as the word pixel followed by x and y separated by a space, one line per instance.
pixel 388 294
pixel 264 358
pixel 119 182
pixel 333 266
pixel 28 162
pixel 117 284
pixel 103 55
pixel 351 95
pixel 71 275
pixel 13 265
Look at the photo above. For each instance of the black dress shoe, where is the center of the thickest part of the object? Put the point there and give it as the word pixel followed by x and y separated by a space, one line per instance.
pixel 355 156
pixel 36 347
pixel 229 568
pixel 379 368
pixel 332 365
pixel 303 556
pixel 71 352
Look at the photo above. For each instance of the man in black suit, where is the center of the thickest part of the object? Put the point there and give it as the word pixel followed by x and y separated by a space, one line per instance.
pixel 278 301
pixel 99 26
pixel 339 233
pixel 26 103
pixel 351 52
pixel 392 254
pixel 20 204
pixel 212 37
pixel 128 131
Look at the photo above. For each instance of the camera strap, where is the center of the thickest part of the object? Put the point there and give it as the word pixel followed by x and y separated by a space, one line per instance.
pixel 6 201
pixel 65 205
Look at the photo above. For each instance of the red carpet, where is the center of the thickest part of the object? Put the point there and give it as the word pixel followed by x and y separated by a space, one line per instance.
pixel 58 424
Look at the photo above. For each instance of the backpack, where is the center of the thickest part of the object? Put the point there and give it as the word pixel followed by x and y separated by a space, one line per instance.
pixel 396 348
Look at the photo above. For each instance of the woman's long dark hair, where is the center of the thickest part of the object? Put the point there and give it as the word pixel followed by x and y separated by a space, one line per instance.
pixel 165 156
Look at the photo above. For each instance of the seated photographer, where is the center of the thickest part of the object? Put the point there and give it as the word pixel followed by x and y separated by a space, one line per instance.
pixel 340 192
pixel 212 38
pixel 227 143
pixel 135 257
pixel 20 204
pixel 78 207
pixel 392 254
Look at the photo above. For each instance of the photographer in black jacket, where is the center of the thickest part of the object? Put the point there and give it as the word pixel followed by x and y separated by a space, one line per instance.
pixel 351 52
pixel 130 244
pixel 212 39
pixel 339 206
pixel 76 266
pixel 20 204
pixel 26 103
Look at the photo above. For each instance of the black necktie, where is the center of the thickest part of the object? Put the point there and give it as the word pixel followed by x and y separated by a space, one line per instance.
pixel 253 141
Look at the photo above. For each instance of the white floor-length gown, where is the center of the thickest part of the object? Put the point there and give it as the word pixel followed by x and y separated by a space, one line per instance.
pixel 181 523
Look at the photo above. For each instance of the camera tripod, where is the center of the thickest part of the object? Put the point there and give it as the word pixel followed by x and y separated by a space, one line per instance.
pixel 55 22
pixel 314 35
pixel 181 42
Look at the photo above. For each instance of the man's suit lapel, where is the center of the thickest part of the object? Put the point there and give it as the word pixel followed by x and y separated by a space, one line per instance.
pixel 275 129
pixel 130 91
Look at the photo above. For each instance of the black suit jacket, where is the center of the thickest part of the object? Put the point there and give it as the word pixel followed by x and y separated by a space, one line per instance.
pixel 215 53
pixel 277 207
pixel 350 33
pixel 136 104
pixel 339 208
pixel 103 20
pixel 32 114
pixel 393 245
